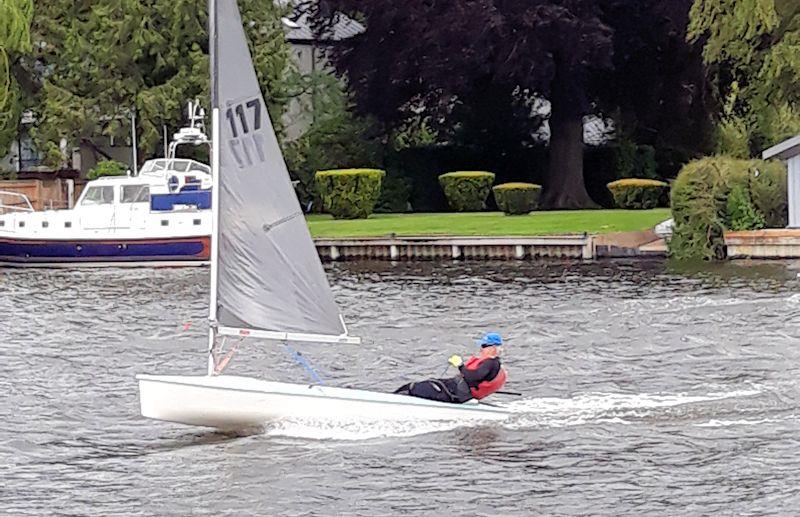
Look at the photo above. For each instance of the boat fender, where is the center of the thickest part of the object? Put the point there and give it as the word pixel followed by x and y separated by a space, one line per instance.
pixel 485 388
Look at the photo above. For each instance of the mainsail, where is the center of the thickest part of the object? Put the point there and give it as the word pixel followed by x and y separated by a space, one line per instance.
pixel 269 276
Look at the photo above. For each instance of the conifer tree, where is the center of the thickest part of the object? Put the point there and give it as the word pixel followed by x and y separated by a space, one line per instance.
pixel 97 60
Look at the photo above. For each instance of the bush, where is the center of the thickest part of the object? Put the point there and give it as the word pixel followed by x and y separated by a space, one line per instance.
pixel 742 214
pixel 467 191
pixel 107 168
pixel 711 195
pixel 349 193
pixel 769 194
pixel 517 198
pixel 639 194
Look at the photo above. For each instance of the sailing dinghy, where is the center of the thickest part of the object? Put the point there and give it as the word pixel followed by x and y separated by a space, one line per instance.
pixel 267 282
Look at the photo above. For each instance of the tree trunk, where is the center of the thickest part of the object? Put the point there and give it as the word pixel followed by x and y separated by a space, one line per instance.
pixel 563 186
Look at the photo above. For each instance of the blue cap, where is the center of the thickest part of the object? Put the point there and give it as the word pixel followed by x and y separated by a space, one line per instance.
pixel 491 339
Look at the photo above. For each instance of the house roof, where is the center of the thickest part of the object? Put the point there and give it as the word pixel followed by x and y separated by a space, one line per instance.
pixel 299 26
pixel 784 150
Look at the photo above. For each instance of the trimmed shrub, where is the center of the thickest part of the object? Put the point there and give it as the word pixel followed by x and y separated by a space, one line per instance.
pixel 639 194
pixel 742 214
pixel 349 193
pixel 517 198
pixel 107 168
pixel 769 193
pixel 713 194
pixel 467 191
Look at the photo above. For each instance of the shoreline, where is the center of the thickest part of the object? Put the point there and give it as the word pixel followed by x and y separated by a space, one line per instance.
pixel 644 244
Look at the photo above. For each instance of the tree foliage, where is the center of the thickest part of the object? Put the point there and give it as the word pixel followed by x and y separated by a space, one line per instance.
pixel 753 49
pixel 480 68
pixel 15 21
pixel 98 60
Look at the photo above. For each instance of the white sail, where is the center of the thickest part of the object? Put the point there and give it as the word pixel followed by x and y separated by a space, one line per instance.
pixel 268 275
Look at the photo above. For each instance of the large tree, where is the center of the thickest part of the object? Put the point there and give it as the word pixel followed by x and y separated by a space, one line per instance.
pixel 15 21
pixel 753 51
pixel 97 60
pixel 442 56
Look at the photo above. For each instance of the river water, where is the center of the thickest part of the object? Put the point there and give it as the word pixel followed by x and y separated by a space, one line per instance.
pixel 647 390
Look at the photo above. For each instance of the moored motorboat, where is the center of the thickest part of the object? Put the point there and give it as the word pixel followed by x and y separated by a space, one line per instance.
pixel 160 216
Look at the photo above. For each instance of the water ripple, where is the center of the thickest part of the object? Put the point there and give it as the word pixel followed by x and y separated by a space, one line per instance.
pixel 648 389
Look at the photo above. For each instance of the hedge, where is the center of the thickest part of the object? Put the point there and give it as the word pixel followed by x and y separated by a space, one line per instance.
pixel 719 193
pixel 517 198
pixel 349 193
pixel 107 168
pixel 639 194
pixel 467 191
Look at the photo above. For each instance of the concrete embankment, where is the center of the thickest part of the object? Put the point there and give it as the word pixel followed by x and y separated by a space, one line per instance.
pixel 777 243
pixel 580 247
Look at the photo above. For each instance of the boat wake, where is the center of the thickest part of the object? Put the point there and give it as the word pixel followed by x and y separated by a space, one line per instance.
pixel 618 408
pixel 355 430
pixel 550 412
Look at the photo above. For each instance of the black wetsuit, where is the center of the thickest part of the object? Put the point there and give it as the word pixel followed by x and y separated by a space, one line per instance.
pixel 453 389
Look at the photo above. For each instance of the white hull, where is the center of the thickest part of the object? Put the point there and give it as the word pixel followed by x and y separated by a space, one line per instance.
pixel 231 402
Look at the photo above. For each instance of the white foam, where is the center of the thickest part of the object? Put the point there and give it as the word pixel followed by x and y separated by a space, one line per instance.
pixel 604 407
pixel 539 412
pixel 743 422
pixel 354 430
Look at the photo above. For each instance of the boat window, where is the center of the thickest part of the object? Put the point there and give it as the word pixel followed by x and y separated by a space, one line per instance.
pixel 164 222
pixel 2 223
pixel 68 224
pixel 135 194
pixel 199 167
pixel 22 224
pixel 196 222
pixel 99 196
pixel 155 165
pixel 45 224
pixel 179 166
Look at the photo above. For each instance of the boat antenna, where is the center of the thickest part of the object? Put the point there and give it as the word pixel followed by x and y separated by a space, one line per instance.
pixel 133 142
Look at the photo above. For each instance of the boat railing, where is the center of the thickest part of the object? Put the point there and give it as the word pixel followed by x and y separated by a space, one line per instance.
pixel 14 202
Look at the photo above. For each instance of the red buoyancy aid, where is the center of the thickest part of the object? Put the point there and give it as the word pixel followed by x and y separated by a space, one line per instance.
pixel 485 388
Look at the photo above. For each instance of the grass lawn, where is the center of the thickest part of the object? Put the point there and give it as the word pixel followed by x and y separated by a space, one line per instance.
pixel 489 223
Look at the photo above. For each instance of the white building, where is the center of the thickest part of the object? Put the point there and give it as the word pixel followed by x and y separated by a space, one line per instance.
pixel 789 152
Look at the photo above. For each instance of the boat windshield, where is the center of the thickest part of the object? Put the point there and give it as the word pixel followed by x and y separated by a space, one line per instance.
pixel 174 165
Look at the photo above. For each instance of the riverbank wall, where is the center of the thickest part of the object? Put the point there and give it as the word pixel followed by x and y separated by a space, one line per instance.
pixel 775 243
pixel 576 247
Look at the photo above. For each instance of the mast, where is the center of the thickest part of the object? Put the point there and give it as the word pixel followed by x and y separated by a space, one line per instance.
pixel 212 303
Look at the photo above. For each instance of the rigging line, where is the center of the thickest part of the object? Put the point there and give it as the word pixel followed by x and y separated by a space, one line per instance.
pixel 302 361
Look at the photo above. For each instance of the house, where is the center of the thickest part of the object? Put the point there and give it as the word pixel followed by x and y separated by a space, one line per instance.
pixel 789 152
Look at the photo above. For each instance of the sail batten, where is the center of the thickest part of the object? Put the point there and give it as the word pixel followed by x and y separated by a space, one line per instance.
pixel 269 276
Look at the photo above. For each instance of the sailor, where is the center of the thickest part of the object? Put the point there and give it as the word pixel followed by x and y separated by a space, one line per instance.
pixel 478 377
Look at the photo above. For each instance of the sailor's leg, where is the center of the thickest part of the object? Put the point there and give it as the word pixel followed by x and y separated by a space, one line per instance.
pixel 430 389
pixel 405 389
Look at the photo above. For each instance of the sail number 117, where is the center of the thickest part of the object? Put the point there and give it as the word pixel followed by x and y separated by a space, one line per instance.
pixel 247 141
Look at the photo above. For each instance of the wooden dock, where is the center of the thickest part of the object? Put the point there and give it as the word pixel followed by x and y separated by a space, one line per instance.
pixel 580 247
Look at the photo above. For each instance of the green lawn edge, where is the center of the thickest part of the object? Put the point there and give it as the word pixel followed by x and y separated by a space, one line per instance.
pixel 567 222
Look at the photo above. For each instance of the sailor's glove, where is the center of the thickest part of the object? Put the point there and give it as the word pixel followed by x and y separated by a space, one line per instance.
pixel 456 361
